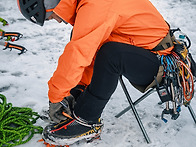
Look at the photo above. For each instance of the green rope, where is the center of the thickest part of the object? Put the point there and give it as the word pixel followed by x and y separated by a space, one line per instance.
pixel 16 124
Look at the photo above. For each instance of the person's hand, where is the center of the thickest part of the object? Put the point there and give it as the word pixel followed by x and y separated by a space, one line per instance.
pixel 56 17
pixel 56 110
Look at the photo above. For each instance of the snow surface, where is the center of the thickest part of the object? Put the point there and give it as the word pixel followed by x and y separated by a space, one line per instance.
pixel 23 80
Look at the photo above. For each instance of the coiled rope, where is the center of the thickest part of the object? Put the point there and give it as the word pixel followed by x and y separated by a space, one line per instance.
pixel 16 124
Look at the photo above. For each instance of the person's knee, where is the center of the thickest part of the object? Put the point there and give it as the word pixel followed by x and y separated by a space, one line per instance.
pixel 109 56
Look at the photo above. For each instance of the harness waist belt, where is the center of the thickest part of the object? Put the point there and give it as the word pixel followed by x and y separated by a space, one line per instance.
pixel 165 43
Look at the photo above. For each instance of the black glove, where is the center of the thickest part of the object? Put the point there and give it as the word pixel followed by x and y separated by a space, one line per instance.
pixel 56 109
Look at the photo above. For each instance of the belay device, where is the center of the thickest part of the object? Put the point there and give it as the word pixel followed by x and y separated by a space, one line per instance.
pixel 10 36
pixel 177 86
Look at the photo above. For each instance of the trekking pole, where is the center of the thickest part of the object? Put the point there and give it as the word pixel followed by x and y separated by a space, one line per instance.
pixel 13 46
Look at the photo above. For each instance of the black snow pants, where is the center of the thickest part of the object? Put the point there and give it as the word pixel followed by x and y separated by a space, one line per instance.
pixel 138 65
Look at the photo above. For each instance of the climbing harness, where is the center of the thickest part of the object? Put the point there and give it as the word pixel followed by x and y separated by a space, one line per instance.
pixel 16 124
pixel 10 36
pixel 177 83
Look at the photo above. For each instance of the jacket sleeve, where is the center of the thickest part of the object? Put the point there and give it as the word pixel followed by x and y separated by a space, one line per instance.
pixel 91 28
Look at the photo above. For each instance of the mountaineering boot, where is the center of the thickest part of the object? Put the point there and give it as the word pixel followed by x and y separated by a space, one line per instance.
pixel 72 130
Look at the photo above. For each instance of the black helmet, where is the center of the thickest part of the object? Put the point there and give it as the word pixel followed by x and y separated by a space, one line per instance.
pixel 33 10
pixel 37 11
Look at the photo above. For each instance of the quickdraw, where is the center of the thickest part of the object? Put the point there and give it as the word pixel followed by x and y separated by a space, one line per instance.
pixel 178 81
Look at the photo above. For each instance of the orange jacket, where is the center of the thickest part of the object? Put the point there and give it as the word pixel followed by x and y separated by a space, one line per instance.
pixel 135 22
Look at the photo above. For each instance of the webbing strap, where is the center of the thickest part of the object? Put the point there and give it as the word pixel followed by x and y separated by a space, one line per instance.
pixel 165 43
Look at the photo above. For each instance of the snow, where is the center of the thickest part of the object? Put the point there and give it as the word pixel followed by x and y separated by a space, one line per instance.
pixel 23 80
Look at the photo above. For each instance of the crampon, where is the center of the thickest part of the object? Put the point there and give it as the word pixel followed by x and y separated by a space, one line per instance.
pixel 88 140
pixel 10 36
pixel 51 145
